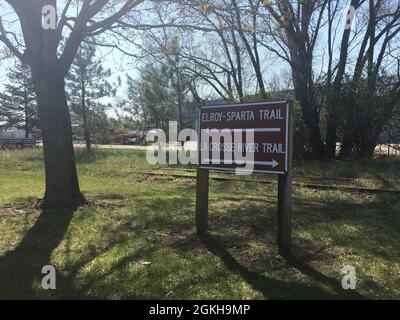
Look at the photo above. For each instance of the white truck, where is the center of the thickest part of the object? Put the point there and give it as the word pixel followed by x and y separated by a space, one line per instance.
pixel 14 138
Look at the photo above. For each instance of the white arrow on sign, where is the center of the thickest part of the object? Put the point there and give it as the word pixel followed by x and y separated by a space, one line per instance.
pixel 272 163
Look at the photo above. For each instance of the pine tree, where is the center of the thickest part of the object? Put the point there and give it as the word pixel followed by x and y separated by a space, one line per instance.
pixel 86 85
pixel 161 94
pixel 18 101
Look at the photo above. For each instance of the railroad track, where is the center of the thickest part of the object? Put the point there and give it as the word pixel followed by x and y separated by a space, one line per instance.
pixel 318 186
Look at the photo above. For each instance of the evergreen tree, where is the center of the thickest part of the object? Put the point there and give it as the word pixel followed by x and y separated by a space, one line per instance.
pixel 86 84
pixel 18 101
pixel 161 94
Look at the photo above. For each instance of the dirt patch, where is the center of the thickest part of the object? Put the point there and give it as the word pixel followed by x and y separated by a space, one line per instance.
pixel 185 240
pixel 20 208
pixel 108 202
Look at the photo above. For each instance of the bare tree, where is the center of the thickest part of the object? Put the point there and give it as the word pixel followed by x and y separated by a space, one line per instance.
pixel 334 81
pixel 372 77
pixel 295 26
pixel 219 44
pixel 38 45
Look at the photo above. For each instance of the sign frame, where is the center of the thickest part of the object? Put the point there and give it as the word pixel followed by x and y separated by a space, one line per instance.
pixel 288 135
pixel 284 217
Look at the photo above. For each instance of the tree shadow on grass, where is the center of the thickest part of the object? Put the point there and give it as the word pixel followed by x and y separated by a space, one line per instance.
pixel 21 267
pixel 299 264
pixel 278 289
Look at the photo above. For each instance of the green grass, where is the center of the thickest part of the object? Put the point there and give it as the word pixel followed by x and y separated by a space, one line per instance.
pixel 137 240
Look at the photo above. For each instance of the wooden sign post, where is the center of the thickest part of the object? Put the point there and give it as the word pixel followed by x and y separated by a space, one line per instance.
pixel 270 151
pixel 201 202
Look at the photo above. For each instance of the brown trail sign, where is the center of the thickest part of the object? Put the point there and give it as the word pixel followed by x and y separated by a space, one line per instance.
pixel 268 121
pixel 247 138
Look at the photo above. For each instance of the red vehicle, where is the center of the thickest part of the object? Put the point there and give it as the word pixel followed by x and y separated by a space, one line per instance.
pixel 129 139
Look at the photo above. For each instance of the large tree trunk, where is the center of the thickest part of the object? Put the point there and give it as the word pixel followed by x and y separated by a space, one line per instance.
pixel 62 187
pixel 334 92
pixel 311 120
pixel 302 61
pixel 369 141
pixel 369 149
pixel 346 149
pixel 302 78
